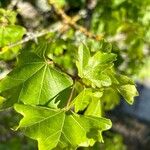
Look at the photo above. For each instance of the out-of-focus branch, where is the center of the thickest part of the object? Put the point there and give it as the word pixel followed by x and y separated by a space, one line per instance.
pixel 91 4
pixel 12 4
pixel 30 36
pixel 61 27
pixel 69 21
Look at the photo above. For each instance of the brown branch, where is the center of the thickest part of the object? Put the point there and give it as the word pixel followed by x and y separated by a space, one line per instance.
pixel 71 22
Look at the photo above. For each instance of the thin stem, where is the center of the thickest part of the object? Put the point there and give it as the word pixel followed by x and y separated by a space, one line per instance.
pixel 34 36
pixel 63 70
pixel 74 77
pixel 70 97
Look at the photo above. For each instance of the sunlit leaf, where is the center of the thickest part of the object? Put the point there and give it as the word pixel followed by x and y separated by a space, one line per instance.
pixel 60 129
pixel 34 80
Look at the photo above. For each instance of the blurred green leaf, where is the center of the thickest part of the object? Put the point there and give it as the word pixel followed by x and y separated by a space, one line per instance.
pixel 126 88
pixel 9 35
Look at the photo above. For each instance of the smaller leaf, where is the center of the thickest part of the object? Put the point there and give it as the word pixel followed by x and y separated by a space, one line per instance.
pixel 101 58
pixel 89 100
pixel 98 79
pixel 128 92
pixel 84 55
pixel 94 68
pixel 82 100
pixel 126 88
pixel 94 108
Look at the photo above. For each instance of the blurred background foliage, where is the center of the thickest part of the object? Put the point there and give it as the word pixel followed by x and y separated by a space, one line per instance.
pixel 124 23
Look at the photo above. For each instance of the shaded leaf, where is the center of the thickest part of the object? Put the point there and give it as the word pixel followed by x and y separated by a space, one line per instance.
pixel 94 108
pixel 82 100
pixel 89 100
pixel 110 99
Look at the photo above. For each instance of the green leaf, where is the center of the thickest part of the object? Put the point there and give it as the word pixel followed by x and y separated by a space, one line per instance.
pixel 126 88
pixel 102 58
pixel 102 45
pixel 7 17
pixel 83 58
pixel 94 68
pixel 110 99
pixel 59 129
pixel 8 35
pixel 128 92
pixel 94 108
pixel 89 100
pixel 97 77
pixel 82 100
pixel 61 100
pixel 34 81
pixel 144 72
pixel 60 3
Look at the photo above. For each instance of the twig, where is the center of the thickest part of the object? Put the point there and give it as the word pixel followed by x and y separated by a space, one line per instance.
pixel 32 36
pixel 70 97
pixel 63 70
pixel 74 77
pixel 68 20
